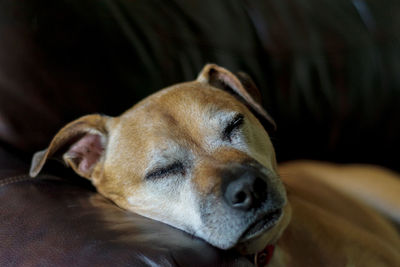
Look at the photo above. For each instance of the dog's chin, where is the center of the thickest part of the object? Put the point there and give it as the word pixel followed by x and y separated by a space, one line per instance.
pixel 261 226
pixel 264 231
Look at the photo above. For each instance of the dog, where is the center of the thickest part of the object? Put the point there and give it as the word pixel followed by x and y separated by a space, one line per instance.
pixel 197 156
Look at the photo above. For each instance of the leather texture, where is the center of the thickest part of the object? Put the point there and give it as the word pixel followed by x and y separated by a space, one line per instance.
pixel 61 221
pixel 328 70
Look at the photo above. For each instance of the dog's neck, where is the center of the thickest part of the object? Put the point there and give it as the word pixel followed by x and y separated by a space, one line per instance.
pixel 272 254
pixel 263 257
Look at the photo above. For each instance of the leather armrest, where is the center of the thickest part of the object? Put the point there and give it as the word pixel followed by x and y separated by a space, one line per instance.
pixel 50 221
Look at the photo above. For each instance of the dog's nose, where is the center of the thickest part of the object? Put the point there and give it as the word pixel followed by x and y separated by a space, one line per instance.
pixel 244 188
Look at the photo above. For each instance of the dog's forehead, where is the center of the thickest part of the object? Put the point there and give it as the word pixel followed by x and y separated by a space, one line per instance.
pixel 174 120
pixel 191 98
pixel 185 105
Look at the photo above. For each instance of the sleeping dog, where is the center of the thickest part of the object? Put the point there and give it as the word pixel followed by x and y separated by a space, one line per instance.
pixel 197 156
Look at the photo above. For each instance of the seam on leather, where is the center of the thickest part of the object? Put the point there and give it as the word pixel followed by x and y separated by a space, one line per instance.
pixel 14 179
pixel 21 178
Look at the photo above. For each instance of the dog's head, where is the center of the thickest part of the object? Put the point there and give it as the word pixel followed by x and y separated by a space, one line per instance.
pixel 193 155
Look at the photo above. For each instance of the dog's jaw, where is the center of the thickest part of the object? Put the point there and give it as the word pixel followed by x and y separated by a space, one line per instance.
pixel 269 237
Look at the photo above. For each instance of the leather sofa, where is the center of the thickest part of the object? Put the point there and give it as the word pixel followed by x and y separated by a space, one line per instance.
pixel 58 220
pixel 328 71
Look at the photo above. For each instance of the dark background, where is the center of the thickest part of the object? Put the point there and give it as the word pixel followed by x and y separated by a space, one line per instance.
pixel 329 70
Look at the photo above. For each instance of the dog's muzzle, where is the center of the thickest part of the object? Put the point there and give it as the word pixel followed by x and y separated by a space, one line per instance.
pixel 244 188
pixel 249 203
pixel 247 189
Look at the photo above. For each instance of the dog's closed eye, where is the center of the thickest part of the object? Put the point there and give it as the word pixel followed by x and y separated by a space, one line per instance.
pixel 232 127
pixel 172 169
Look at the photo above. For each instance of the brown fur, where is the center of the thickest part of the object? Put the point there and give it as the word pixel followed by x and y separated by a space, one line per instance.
pixel 330 227
pixel 320 225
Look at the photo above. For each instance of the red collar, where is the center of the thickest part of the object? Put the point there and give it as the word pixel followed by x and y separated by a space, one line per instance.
pixel 262 258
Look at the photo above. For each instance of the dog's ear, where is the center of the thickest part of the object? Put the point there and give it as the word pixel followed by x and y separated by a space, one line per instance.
pixel 81 144
pixel 241 85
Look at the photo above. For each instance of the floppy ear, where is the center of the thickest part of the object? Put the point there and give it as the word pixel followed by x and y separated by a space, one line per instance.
pixel 241 85
pixel 81 145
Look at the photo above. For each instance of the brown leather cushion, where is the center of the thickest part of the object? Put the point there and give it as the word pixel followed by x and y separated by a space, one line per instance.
pixel 328 72
pixel 59 220
pixel 49 221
